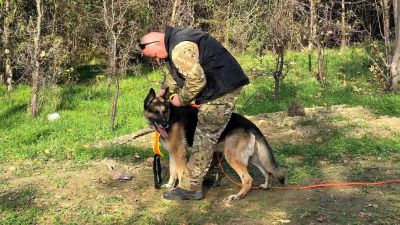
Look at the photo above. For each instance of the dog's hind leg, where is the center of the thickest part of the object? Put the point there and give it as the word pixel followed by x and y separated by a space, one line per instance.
pixel 244 175
pixel 268 176
pixel 237 154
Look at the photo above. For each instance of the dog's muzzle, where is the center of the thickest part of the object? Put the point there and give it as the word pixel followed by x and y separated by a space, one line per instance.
pixel 161 129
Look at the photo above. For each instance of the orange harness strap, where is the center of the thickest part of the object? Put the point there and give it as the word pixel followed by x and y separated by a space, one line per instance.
pixel 156 146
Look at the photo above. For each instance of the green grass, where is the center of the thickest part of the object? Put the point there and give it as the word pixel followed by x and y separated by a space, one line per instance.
pixel 17 207
pixel 348 82
pixel 85 112
pixel 40 146
pixel 85 106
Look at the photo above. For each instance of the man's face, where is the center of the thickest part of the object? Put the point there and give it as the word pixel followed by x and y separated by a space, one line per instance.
pixel 151 50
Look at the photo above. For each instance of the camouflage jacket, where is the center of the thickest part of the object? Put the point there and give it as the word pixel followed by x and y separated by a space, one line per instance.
pixel 185 57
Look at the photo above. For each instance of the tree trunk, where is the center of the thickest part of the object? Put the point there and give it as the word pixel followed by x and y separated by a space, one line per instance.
pixel 344 35
pixel 123 63
pixel 321 65
pixel 35 62
pixel 110 16
pixel 114 102
pixel 175 10
pixel 113 75
pixel 386 30
pixel 6 38
pixel 278 73
pixel 395 62
pixel 313 23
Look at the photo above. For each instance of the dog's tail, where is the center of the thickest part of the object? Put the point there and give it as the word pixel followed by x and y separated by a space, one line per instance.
pixel 267 158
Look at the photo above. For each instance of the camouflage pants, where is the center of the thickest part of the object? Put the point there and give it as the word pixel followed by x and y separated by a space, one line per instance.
pixel 212 119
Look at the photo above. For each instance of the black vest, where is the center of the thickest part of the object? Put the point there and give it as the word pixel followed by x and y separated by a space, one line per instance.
pixel 223 72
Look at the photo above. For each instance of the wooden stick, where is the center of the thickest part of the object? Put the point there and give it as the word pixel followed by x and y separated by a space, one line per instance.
pixel 120 140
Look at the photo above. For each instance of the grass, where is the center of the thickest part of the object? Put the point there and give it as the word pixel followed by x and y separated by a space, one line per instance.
pixel 348 82
pixel 85 108
pixel 19 207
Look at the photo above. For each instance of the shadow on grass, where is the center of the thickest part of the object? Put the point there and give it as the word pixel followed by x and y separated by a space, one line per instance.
pixel 10 117
pixel 261 100
pixel 86 73
pixel 72 96
pixel 18 206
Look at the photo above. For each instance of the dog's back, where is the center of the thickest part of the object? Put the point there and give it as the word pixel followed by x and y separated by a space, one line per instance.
pixel 238 125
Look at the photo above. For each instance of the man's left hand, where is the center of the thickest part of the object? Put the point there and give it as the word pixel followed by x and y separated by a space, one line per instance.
pixel 176 101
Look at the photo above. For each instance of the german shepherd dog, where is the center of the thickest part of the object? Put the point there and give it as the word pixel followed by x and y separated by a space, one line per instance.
pixel 241 141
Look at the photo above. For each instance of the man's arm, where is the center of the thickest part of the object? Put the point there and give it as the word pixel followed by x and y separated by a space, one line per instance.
pixel 169 81
pixel 185 57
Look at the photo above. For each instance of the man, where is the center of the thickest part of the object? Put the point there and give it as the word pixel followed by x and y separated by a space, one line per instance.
pixel 203 71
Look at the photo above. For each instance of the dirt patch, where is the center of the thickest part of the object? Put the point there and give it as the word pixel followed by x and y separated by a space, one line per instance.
pixel 85 193
pixel 280 127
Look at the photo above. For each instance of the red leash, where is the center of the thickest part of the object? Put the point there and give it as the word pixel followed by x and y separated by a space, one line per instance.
pixel 194 105
pixel 339 184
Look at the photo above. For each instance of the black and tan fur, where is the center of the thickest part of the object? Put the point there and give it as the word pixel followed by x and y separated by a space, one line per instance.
pixel 241 141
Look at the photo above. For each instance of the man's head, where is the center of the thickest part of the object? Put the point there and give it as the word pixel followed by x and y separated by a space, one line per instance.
pixel 153 46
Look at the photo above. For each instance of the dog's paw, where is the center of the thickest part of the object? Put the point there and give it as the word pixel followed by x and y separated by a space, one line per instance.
pixel 167 186
pixel 233 197
pixel 265 186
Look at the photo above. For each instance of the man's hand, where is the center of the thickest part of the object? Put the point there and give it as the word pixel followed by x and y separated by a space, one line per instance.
pixel 161 92
pixel 175 100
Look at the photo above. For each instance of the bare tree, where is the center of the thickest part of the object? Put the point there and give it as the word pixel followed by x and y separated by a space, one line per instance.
pixel 326 27
pixel 111 21
pixel 9 12
pixel 118 26
pixel 395 61
pixel 386 61
pixel 386 31
pixel 175 8
pixel 312 34
pixel 182 14
pixel 36 79
pixel 280 27
pixel 313 22
pixel 344 31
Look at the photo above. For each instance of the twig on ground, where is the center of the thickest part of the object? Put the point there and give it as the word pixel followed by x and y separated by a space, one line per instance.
pixel 120 140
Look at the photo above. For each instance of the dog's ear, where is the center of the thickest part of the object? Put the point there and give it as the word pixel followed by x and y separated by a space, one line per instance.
pixel 150 96
pixel 166 94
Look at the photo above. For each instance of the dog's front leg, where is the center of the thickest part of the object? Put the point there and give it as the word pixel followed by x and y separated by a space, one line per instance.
pixel 180 162
pixel 173 175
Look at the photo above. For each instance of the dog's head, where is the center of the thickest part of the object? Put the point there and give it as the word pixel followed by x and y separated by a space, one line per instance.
pixel 157 111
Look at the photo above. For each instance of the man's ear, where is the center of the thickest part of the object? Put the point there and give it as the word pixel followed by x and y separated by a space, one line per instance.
pixel 166 94
pixel 150 96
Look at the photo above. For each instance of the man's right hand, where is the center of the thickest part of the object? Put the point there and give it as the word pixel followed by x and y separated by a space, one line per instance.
pixel 161 92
